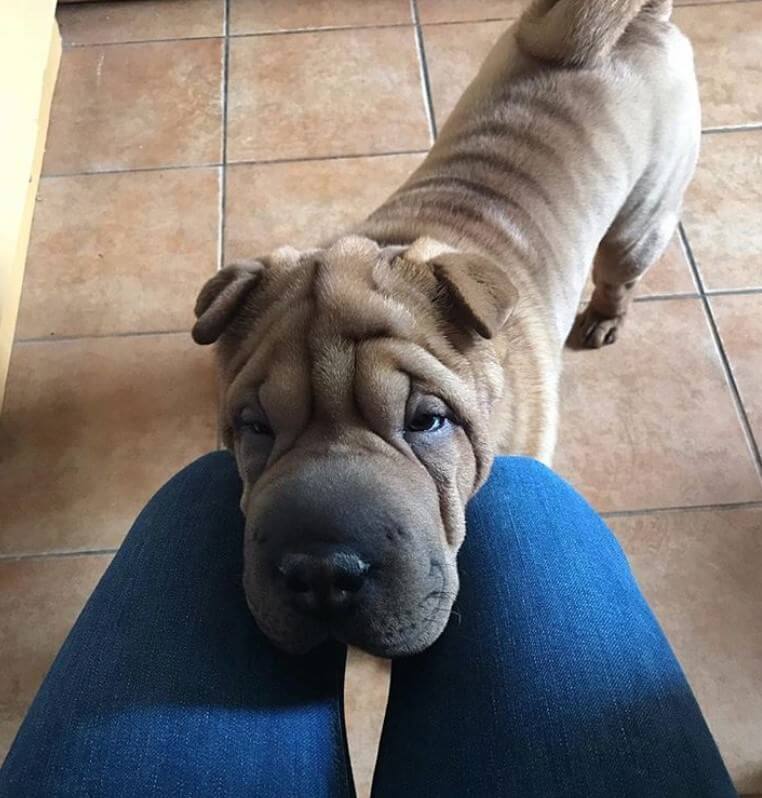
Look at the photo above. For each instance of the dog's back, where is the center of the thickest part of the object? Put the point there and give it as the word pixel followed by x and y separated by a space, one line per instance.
pixel 585 112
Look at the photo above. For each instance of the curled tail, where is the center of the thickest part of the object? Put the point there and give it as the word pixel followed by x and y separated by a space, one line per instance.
pixel 581 32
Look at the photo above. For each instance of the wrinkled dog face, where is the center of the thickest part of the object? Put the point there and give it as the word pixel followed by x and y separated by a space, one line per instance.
pixel 357 386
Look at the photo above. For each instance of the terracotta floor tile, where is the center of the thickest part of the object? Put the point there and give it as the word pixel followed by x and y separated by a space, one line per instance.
pixel 366 695
pixel 739 319
pixel 468 10
pixel 101 23
pixel 265 16
pixel 307 95
pixel 304 202
pixel 39 602
pixel 91 428
pixel 120 253
pixel 723 208
pixel 129 106
pixel 700 572
pixel 671 275
pixel 454 54
pixel 727 44
pixel 650 422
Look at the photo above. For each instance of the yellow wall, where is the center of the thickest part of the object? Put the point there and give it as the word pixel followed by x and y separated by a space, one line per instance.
pixel 30 50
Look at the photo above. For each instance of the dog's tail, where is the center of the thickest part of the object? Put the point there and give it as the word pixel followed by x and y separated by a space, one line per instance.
pixel 581 32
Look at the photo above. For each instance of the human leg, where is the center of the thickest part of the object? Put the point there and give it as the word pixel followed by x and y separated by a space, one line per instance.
pixel 165 685
pixel 553 677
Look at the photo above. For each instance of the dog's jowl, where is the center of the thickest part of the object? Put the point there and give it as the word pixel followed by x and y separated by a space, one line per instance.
pixel 367 383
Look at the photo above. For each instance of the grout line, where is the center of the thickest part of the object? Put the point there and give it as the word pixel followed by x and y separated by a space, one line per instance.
pixel 665 297
pixel 713 292
pixel 326 29
pixel 349 156
pixel 750 505
pixel 740 408
pixel 420 47
pixel 478 21
pixel 224 180
pixel 413 11
pixel 45 555
pixel 740 128
pixel 245 35
pixel 127 170
pixel 692 262
pixel 221 188
pixel 62 338
pixel 743 417
pixel 265 162
pixel 164 40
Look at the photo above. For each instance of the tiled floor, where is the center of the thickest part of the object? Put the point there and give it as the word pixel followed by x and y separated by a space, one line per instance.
pixel 321 109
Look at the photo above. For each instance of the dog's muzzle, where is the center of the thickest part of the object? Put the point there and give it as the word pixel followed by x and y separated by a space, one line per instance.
pixel 333 550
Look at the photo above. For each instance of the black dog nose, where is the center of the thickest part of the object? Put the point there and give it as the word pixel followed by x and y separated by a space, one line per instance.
pixel 323 583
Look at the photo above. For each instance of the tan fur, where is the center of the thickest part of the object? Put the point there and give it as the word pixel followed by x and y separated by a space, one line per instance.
pixel 575 142
pixel 578 32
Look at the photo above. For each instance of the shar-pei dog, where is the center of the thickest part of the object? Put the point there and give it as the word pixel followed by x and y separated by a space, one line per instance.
pixel 367 383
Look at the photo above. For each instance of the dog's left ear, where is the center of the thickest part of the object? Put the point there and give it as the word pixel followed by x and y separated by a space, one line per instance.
pixel 475 291
pixel 221 299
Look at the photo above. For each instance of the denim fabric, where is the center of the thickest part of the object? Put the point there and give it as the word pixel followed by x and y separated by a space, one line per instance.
pixel 552 678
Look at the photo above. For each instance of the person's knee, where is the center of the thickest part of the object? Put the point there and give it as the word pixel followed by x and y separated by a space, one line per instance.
pixel 218 465
pixel 525 500
pixel 205 494
pixel 520 467
pixel 214 472
pixel 525 484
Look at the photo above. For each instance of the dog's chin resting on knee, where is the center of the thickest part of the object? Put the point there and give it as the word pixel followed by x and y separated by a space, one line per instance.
pixel 351 507
pixel 366 384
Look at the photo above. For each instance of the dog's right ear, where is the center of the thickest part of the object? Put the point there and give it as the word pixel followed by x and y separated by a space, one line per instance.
pixel 222 297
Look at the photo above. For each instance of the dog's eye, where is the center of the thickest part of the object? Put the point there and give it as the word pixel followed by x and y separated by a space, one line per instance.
pixel 248 422
pixel 258 428
pixel 426 422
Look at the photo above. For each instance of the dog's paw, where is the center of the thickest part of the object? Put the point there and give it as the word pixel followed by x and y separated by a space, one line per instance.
pixel 592 329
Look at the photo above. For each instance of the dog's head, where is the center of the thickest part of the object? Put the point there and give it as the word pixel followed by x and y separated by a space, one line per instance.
pixel 357 387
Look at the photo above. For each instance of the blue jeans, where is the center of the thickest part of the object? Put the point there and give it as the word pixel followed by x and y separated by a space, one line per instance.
pixel 552 678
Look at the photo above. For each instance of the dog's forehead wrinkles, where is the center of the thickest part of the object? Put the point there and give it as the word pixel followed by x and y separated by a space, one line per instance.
pixel 350 297
pixel 336 316
pixel 353 304
pixel 332 370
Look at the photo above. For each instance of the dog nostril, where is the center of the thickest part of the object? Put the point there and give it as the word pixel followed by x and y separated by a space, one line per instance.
pixel 323 582
pixel 351 580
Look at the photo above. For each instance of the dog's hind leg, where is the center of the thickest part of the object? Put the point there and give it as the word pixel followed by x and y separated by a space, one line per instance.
pixel 645 223
pixel 623 257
